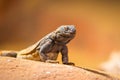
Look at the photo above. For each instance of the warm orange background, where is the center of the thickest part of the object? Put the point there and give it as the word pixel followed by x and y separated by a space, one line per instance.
pixel 23 22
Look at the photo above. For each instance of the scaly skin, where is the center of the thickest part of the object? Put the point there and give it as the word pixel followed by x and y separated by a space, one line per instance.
pixel 8 53
pixel 47 49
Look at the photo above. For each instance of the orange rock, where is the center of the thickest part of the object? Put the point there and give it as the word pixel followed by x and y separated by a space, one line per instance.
pixel 20 69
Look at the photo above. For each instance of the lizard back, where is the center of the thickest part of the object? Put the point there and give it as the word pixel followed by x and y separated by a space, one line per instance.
pixel 33 48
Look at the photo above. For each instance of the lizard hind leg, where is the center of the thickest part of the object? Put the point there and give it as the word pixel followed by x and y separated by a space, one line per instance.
pixel 50 58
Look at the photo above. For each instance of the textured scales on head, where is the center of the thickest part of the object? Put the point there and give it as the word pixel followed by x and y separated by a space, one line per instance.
pixel 64 33
pixel 66 29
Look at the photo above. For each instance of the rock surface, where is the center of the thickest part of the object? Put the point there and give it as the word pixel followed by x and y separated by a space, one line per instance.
pixel 20 69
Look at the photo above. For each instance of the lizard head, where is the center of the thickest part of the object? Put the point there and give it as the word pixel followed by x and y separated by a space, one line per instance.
pixel 65 33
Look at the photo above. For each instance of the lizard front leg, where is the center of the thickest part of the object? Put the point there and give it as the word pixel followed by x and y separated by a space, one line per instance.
pixel 45 49
pixel 64 52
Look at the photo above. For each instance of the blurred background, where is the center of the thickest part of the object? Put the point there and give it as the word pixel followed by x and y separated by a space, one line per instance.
pixel 24 22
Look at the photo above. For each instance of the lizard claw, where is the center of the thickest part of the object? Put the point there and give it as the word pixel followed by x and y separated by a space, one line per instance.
pixel 69 63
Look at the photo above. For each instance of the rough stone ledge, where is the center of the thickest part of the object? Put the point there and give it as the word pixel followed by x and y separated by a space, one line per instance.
pixel 21 69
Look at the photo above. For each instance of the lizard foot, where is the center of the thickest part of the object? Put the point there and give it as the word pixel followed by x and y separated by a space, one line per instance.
pixel 69 63
pixel 52 61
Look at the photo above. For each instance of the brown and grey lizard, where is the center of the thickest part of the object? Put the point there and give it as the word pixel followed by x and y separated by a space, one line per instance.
pixel 47 49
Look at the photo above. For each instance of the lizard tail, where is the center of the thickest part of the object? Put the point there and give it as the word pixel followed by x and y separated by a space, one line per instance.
pixel 8 53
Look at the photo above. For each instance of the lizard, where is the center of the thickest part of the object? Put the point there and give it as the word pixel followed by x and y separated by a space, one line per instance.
pixel 48 48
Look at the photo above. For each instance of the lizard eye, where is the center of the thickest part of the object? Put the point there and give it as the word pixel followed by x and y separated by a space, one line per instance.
pixel 66 28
